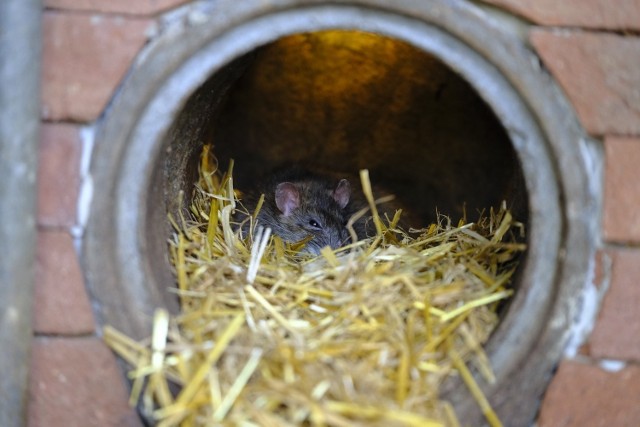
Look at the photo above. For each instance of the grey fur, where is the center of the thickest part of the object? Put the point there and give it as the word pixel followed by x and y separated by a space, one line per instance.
pixel 318 214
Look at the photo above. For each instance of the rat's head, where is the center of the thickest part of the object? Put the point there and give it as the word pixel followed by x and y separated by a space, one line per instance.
pixel 307 209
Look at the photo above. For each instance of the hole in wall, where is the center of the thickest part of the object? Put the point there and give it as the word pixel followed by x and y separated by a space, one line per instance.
pixel 442 118
pixel 341 101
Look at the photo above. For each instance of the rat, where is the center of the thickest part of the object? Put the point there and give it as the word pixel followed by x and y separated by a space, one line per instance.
pixel 299 204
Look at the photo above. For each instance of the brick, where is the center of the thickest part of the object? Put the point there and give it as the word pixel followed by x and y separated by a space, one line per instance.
pixel 61 304
pixel 621 217
pixel 84 59
pixel 583 394
pixel 138 7
pixel 75 382
pixel 58 174
pixel 617 328
pixel 600 75
pixel 600 14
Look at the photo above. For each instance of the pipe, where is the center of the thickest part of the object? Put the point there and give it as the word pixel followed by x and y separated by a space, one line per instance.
pixel 20 53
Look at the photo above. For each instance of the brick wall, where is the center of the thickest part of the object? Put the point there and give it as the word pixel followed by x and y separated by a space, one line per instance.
pixel 589 46
pixel 592 49
pixel 88 47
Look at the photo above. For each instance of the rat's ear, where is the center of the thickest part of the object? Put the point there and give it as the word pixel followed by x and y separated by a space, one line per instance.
pixel 342 193
pixel 287 197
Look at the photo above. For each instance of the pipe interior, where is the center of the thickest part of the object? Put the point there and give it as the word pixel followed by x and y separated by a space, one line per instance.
pixel 341 101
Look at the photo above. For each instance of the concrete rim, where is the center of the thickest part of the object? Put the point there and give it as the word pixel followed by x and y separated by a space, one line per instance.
pixel 541 125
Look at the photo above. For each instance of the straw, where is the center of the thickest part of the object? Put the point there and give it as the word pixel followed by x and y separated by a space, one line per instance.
pixel 364 335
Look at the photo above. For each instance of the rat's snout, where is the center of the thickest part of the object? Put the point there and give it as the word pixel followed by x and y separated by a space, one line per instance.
pixel 339 240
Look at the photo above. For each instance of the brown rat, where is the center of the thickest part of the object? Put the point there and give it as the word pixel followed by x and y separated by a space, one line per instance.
pixel 299 203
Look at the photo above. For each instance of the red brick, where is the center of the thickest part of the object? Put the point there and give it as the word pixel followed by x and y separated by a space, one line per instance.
pixel 84 59
pixel 75 382
pixel 61 305
pixel 621 217
pixel 58 175
pixel 138 7
pixel 600 75
pixel 583 395
pixel 617 330
pixel 603 14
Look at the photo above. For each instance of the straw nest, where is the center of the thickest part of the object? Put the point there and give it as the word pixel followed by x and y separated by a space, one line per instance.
pixel 360 336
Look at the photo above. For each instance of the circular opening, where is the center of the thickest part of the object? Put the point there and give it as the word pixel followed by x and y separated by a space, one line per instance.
pixel 341 101
pixel 440 116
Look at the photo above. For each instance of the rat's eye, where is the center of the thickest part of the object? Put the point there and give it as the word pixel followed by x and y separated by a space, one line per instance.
pixel 314 223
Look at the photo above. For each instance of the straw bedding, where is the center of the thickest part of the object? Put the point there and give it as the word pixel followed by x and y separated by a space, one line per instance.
pixel 364 335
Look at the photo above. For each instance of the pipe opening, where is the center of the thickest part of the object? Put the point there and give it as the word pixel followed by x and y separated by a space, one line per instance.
pixel 445 110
